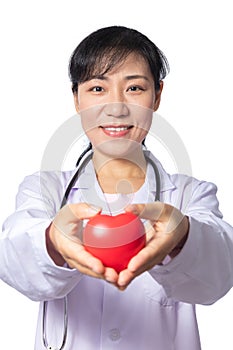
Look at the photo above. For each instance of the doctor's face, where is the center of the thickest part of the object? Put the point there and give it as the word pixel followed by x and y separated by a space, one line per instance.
pixel 116 108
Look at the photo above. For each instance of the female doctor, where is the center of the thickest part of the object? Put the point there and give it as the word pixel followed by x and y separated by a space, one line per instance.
pixel 117 80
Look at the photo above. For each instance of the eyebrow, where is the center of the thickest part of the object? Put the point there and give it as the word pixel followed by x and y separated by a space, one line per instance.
pixel 136 76
pixel 128 77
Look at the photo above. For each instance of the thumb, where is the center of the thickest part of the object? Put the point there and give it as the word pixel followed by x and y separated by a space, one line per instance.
pixel 150 211
pixel 83 211
pixel 69 220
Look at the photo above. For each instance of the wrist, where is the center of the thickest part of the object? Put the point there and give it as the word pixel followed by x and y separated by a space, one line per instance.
pixel 175 251
pixel 53 253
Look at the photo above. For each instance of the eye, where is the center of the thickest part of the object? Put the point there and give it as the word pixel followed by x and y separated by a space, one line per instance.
pixel 96 89
pixel 136 88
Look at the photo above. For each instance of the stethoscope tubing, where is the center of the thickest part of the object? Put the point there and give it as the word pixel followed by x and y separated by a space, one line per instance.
pixel 63 202
pixel 65 325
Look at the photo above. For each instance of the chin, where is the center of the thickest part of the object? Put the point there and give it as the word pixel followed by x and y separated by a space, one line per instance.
pixel 119 148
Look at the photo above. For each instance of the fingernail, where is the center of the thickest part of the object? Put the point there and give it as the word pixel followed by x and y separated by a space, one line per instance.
pixel 121 284
pixel 132 208
pixel 93 209
pixel 122 288
pixel 97 270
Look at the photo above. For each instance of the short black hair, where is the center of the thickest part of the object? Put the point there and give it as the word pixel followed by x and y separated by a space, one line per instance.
pixel 103 49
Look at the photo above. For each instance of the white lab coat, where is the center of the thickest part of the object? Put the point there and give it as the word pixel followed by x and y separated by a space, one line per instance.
pixel 157 310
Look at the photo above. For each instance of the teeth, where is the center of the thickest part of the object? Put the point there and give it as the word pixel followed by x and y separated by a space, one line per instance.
pixel 117 128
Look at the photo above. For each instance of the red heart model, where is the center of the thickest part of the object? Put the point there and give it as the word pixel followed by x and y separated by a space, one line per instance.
pixel 114 239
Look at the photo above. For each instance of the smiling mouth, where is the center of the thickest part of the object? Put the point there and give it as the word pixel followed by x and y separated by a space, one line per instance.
pixel 116 130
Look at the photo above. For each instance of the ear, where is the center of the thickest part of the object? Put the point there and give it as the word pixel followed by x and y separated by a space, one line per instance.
pixel 158 96
pixel 75 94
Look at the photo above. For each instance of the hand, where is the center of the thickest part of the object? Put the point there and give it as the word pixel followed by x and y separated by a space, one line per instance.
pixel 64 242
pixel 166 235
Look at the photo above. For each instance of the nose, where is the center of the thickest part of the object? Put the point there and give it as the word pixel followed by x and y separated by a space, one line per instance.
pixel 116 109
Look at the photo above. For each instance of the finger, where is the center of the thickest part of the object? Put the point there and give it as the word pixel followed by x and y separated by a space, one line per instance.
pixel 80 211
pixel 150 211
pixel 158 211
pixel 80 258
pixel 137 266
pixel 87 264
pixel 125 278
pixel 69 222
pixel 143 260
pixel 111 275
pixel 140 263
pixel 83 269
pixel 153 254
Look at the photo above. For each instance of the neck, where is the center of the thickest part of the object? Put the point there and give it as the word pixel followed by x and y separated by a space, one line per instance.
pixel 132 165
pixel 121 174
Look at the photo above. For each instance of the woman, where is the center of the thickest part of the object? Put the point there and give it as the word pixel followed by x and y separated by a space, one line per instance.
pixel 117 79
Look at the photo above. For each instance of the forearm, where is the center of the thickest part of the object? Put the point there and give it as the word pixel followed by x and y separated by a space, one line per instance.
pixel 202 271
pixel 26 264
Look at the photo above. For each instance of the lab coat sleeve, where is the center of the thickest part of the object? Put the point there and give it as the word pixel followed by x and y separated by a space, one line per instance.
pixel 24 261
pixel 202 272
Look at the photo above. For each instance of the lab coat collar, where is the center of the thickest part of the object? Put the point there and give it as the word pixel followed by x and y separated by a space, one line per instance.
pixel 87 177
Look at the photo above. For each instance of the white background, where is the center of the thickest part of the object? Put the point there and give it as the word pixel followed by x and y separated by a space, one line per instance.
pixel 37 38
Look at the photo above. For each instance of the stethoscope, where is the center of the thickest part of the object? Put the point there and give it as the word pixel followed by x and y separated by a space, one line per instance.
pixel 73 180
